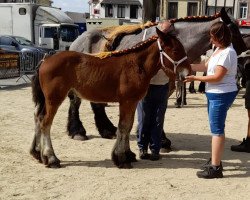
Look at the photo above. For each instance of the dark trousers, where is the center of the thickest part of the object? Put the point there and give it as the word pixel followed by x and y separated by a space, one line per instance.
pixel 151 111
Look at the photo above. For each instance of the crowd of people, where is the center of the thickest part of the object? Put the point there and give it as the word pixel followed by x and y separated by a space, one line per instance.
pixel 221 91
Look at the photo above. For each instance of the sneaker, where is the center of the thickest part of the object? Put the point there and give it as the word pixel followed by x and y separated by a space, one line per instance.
pixel 208 163
pixel 210 173
pixel 143 154
pixel 154 156
pixel 243 147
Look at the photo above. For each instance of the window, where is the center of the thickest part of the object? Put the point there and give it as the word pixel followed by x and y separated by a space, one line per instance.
pixel 172 10
pixel 22 11
pixel 108 10
pixel 192 9
pixel 6 41
pixel 133 11
pixel 243 10
pixel 121 11
pixel 50 32
pixel 96 11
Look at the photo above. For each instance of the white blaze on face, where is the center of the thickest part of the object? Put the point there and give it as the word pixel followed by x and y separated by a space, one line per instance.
pixel 183 73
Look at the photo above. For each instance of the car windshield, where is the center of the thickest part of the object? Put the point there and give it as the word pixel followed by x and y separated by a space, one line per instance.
pixel 69 33
pixel 24 41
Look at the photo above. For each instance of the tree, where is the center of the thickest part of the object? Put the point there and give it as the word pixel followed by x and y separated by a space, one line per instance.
pixel 150 10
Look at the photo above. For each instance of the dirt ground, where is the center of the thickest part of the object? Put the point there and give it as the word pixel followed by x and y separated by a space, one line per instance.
pixel 87 171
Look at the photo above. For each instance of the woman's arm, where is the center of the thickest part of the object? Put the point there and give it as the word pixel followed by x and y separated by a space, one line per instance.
pixel 220 72
pixel 201 67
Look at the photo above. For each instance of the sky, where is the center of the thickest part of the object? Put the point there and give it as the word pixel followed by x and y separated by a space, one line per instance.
pixel 72 5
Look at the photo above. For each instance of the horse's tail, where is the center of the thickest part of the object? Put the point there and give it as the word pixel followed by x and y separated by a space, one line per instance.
pixel 37 93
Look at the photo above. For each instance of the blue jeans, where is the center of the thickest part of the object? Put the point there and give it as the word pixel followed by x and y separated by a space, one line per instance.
pixel 217 106
pixel 151 111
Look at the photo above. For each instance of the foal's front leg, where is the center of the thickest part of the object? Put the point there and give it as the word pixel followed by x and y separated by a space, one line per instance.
pixel 48 156
pixel 122 156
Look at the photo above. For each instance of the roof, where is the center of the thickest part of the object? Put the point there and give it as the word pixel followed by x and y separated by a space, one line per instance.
pixel 122 2
pixel 53 15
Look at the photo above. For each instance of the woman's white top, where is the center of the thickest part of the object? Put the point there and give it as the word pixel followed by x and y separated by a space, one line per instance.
pixel 160 78
pixel 227 58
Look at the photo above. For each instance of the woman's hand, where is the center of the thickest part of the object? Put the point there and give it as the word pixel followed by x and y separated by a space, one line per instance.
pixel 189 78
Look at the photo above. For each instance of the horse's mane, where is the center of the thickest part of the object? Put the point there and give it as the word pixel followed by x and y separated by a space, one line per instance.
pixel 139 46
pixel 196 18
pixel 115 33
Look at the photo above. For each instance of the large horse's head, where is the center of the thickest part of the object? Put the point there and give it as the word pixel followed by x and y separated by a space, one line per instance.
pixel 193 33
pixel 238 42
pixel 172 55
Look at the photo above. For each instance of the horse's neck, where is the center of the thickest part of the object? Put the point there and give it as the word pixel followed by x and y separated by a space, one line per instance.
pixel 129 41
pixel 150 59
pixel 195 37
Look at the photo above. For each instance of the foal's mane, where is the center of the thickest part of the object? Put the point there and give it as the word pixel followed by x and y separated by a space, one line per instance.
pixel 135 48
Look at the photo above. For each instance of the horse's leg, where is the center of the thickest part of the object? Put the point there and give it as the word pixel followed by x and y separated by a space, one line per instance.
pixel 185 94
pixel 202 85
pixel 103 124
pixel 75 128
pixel 191 87
pixel 181 97
pixel 48 156
pixel 35 149
pixel 122 155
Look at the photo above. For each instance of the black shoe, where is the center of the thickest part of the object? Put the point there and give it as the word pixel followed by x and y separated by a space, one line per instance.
pixel 154 156
pixel 210 172
pixel 243 147
pixel 143 154
pixel 208 163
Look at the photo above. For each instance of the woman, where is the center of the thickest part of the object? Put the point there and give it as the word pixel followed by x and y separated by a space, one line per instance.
pixel 221 91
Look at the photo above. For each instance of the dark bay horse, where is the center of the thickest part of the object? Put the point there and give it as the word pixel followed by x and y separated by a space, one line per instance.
pixel 244 63
pixel 193 32
pixel 123 77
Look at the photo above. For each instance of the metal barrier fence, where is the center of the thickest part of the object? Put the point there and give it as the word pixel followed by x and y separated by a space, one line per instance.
pixel 26 65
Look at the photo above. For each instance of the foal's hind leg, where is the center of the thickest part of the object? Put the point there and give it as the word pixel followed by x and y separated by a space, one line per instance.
pixel 35 149
pixel 122 155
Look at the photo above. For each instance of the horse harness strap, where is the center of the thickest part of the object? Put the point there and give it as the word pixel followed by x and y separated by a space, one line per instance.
pixel 144 35
pixel 175 63
pixel 244 54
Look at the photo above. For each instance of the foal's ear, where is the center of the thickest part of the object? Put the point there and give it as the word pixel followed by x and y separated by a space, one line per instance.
pixel 161 34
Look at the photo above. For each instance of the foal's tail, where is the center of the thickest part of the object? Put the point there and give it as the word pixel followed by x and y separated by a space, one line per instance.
pixel 37 93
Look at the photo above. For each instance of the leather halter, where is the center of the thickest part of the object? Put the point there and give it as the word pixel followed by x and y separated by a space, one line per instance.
pixel 175 63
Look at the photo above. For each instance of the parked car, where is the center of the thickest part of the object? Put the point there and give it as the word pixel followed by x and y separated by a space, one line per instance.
pixel 22 44
pixel 244 30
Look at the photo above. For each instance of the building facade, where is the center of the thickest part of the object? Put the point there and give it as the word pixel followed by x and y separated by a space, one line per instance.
pixel 118 9
pixel 42 2
pixel 181 8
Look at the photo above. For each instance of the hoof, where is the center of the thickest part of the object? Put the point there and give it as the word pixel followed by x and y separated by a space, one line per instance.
pixel 108 134
pixel 36 155
pixel 192 91
pixel 123 160
pixel 131 156
pixel 165 150
pixel 53 162
pixel 54 165
pixel 79 137
pixel 125 166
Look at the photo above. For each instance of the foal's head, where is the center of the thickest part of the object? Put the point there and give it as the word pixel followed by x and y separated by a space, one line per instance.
pixel 172 55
